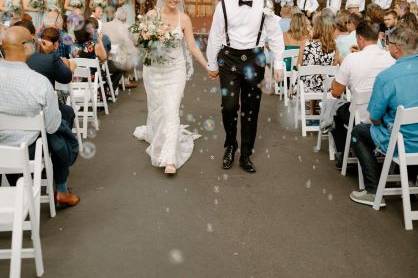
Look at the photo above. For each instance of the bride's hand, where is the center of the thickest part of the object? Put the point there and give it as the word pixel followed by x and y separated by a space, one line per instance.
pixel 213 74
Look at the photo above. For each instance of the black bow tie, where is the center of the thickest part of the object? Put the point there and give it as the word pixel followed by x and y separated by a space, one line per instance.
pixel 245 2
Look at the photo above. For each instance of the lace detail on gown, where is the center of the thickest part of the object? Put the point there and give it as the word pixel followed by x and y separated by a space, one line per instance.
pixel 170 142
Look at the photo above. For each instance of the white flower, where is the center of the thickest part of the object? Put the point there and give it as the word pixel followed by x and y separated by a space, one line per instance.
pixel 268 11
pixel 139 17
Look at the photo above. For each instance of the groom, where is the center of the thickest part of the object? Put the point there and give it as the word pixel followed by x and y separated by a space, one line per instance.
pixel 236 54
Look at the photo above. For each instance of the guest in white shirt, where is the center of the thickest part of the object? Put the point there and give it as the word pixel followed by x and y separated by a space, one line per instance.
pixel 358 73
pixel 26 93
pixel 308 6
pixel 235 49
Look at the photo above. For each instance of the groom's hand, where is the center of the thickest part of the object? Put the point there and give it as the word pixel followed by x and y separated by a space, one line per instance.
pixel 278 75
pixel 213 74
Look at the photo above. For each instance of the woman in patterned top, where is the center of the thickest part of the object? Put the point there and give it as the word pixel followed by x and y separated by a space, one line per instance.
pixel 320 50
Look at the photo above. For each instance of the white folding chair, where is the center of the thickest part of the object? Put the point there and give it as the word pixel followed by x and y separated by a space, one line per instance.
pixel 98 84
pixel 36 123
pixel 83 97
pixel 283 90
pixel 404 116
pixel 326 96
pixel 71 101
pixel 18 202
pixel 105 67
pixel 304 96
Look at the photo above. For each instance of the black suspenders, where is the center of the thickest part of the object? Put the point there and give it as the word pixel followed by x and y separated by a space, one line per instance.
pixel 228 41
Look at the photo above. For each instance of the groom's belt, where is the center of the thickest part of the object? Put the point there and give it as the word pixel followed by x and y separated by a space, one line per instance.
pixel 240 52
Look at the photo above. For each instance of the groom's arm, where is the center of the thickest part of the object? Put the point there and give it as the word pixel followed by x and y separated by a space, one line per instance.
pixel 276 43
pixel 216 38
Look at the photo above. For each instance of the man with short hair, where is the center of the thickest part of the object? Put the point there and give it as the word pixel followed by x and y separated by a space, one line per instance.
pixel 358 73
pixel 25 92
pixel 394 86
pixel 48 63
pixel 391 20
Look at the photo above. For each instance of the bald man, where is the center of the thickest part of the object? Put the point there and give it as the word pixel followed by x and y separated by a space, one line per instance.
pixel 25 92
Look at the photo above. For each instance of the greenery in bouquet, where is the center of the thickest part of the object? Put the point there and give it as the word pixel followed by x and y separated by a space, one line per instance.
pixel 37 4
pixel 14 6
pixel 154 39
pixel 76 4
pixel 100 3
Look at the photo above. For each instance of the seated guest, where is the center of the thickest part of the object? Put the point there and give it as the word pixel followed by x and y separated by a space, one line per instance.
pixel 28 25
pixel 54 19
pixel 89 44
pixel 92 27
pixel 98 14
pixel 320 50
pixel 343 38
pixel 285 18
pixel 353 21
pixel 25 93
pixel 48 63
pixel 402 8
pixel 394 86
pixel 390 19
pixel 296 36
pixel 409 20
pixel 376 14
pixel 358 72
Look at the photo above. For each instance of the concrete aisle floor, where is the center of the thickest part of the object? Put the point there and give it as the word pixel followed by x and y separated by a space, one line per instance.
pixel 293 218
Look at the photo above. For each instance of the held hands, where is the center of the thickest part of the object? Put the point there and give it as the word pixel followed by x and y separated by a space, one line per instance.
pixel 213 74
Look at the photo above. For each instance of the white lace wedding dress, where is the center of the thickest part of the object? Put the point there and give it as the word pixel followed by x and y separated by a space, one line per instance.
pixel 170 142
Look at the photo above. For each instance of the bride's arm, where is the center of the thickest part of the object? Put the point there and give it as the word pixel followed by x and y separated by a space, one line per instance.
pixel 188 35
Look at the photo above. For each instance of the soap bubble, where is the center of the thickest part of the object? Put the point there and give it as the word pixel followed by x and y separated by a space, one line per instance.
pixel 209 125
pixel 91 133
pixel 244 58
pixel 308 184
pixel 88 151
pixel 175 256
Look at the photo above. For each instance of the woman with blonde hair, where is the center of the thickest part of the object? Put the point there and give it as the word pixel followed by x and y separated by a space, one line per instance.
pixel 296 36
pixel 320 50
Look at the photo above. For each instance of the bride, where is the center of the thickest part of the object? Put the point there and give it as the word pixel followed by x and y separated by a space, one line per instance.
pixel 171 145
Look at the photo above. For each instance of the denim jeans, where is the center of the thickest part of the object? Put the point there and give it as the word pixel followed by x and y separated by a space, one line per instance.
pixel 364 148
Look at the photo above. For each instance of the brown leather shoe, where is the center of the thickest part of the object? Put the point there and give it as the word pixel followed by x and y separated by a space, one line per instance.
pixel 131 85
pixel 66 199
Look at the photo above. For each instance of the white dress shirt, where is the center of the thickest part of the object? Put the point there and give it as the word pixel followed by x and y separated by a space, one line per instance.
pixel 308 5
pixel 24 92
pixel 334 5
pixel 243 26
pixel 384 4
pixel 358 72
pixel 360 3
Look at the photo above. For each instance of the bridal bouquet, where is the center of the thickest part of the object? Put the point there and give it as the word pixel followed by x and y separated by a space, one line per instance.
pixel 37 4
pixel 154 39
pixel 99 3
pixel 76 4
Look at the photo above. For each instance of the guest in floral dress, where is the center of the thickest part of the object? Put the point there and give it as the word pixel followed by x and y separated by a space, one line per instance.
pixel 320 50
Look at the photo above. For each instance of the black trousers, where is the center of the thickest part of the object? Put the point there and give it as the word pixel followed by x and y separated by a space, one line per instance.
pixel 241 72
pixel 339 132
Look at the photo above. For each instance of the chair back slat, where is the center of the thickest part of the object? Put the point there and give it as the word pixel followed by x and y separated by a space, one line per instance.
pixel 13 157
pixel 62 87
pixel 82 72
pixel 317 70
pixel 87 63
pixel 407 115
pixel 291 53
pixel 10 122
